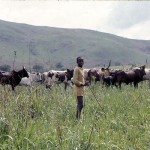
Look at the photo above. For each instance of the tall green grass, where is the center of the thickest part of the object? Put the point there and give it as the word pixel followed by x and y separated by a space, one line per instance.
pixel 38 118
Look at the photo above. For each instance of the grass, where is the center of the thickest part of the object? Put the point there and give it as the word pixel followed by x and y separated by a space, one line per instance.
pixel 38 118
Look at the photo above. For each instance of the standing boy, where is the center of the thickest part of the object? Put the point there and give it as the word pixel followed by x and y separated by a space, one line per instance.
pixel 79 83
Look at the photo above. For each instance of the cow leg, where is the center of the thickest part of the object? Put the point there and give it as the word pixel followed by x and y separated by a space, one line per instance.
pixel 66 86
pixel 13 88
pixel 135 85
pixel 130 84
pixel 95 80
pixel 116 85
pixel 120 85
pixel 90 80
pixel 48 86
pixel 4 87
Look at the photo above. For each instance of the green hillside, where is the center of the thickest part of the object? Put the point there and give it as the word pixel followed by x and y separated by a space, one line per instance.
pixel 48 46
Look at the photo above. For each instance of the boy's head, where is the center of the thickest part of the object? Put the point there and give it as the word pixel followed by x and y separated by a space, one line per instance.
pixel 80 61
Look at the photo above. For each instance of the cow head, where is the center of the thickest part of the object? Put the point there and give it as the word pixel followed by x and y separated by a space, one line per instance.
pixel 106 71
pixel 24 73
pixel 142 68
pixel 69 74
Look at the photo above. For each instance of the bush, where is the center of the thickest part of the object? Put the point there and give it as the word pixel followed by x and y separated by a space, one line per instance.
pixel 117 63
pixel 38 68
pixel 59 65
pixel 5 67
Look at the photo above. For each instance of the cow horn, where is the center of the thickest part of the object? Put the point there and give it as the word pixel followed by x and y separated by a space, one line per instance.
pixel 109 64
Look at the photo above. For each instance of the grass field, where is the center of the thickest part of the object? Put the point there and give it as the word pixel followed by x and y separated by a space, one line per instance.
pixel 40 119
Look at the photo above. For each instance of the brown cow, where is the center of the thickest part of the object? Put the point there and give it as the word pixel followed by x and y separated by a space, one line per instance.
pixel 131 76
pixel 98 74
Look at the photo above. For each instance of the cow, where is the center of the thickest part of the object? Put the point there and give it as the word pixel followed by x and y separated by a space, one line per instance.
pixel 109 80
pixel 68 78
pixel 55 76
pixel 62 78
pixel 44 77
pixel 102 72
pixel 131 76
pixel 98 74
pixel 33 77
pixel 13 78
pixel 86 74
pixel 147 76
pixel 92 73
pixel 69 75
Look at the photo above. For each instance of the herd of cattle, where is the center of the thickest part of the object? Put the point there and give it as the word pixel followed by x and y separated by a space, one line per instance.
pixel 107 76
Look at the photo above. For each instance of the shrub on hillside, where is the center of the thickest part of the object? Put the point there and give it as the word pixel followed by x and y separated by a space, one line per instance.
pixel 59 65
pixel 38 68
pixel 5 67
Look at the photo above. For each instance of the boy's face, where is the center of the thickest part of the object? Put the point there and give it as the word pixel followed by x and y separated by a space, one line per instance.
pixel 80 62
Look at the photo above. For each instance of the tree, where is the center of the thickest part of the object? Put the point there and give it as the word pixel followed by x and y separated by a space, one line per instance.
pixel 5 67
pixel 38 68
pixel 117 63
pixel 59 65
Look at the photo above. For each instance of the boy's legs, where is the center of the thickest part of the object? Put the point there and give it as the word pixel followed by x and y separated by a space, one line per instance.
pixel 79 106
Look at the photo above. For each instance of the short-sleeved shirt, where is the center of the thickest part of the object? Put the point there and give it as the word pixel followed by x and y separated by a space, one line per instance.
pixel 78 79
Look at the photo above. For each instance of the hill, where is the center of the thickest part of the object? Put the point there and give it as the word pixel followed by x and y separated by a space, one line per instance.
pixel 50 46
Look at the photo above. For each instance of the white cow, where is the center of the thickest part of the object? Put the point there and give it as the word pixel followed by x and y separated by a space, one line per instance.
pixel 55 76
pixel 86 73
pixel 44 77
pixel 147 76
pixel 33 77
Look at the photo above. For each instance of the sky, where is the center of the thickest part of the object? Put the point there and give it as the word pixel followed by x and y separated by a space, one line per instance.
pixel 130 19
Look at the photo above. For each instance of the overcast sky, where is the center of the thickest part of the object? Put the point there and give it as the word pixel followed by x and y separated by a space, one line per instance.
pixel 129 19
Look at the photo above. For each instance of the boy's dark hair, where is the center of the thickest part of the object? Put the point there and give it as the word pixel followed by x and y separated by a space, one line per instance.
pixel 79 58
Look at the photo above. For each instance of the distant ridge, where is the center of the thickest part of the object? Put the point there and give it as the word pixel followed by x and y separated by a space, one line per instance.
pixel 50 46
